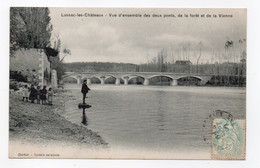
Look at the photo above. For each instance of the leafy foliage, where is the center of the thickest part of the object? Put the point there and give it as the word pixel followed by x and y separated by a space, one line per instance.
pixel 18 76
pixel 51 52
pixel 30 27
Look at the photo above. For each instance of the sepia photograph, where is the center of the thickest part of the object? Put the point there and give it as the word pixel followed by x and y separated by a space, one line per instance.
pixel 127 83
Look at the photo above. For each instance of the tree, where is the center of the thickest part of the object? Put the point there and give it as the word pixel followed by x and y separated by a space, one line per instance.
pixel 161 61
pixel 65 52
pixel 200 45
pixel 56 62
pixel 229 48
pixel 30 27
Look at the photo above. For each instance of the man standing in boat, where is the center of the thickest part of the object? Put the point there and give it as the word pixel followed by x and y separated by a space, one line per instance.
pixel 84 90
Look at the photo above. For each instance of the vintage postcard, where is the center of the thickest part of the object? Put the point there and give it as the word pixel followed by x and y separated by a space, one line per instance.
pixel 127 83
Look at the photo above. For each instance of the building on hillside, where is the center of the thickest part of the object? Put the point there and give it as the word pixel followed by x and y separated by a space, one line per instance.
pixel 183 62
pixel 32 63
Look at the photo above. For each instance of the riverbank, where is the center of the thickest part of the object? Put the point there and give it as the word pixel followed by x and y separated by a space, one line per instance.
pixel 43 125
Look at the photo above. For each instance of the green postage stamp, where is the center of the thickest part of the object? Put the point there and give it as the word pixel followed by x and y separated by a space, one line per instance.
pixel 228 138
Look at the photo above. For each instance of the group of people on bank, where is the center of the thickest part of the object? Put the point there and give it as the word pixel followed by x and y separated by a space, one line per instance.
pixel 38 94
pixel 44 95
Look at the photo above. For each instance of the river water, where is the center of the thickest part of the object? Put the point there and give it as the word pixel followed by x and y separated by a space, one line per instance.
pixel 168 118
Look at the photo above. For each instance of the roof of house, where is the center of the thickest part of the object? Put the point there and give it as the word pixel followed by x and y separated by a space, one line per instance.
pixel 183 62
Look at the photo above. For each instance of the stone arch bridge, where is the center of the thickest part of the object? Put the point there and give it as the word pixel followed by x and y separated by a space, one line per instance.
pixel 126 76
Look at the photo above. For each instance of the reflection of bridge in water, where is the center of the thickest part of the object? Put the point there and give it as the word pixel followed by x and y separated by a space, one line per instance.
pixel 127 76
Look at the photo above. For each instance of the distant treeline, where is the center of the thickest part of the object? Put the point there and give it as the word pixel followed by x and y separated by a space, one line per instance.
pixel 226 69
pixel 99 66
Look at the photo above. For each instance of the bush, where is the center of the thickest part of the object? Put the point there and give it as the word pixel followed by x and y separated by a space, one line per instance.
pixel 13 86
pixel 17 76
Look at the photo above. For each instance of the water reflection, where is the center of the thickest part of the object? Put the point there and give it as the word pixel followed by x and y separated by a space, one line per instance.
pixel 84 117
pixel 160 112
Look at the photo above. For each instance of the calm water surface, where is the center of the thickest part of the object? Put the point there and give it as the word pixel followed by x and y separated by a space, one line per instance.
pixel 154 117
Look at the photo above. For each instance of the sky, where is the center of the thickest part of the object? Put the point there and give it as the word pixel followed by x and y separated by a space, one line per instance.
pixel 140 39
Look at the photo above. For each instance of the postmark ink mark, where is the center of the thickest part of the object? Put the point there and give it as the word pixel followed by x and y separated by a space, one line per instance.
pixel 228 138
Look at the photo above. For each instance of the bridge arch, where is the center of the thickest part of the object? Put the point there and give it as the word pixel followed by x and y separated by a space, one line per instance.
pixel 160 76
pixel 136 79
pixel 109 76
pixel 84 78
pixel 160 79
pixel 189 80
pixel 191 76
pixel 111 79
pixel 95 79
pixel 67 79
pixel 134 76
pixel 94 76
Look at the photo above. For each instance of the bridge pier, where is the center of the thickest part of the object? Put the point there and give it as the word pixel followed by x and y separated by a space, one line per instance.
pixel 117 81
pixel 102 79
pixel 88 81
pixel 126 80
pixel 78 81
pixel 146 81
pixel 174 82
pixel 202 82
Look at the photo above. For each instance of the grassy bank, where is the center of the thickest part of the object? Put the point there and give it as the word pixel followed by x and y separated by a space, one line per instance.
pixel 43 124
